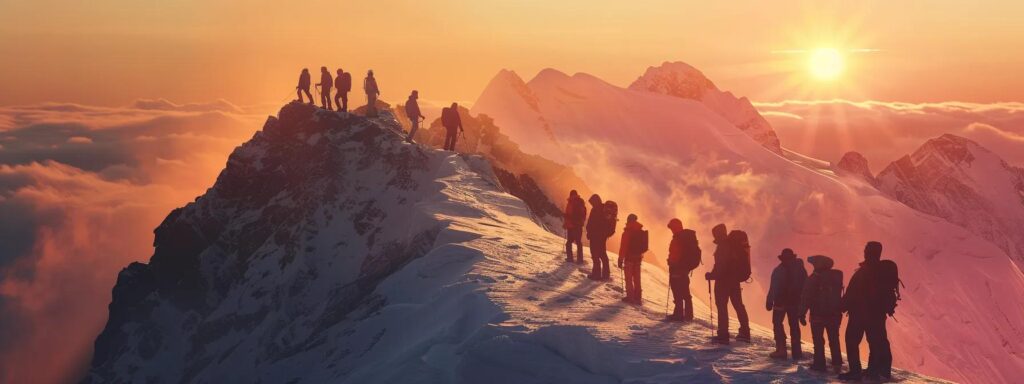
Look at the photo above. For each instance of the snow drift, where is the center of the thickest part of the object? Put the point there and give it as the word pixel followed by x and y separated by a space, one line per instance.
pixel 329 250
pixel 665 156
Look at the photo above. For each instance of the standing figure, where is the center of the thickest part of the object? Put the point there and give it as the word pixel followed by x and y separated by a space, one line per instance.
pixel 597 233
pixel 453 126
pixel 683 257
pixel 870 298
pixel 784 302
pixel 343 84
pixel 732 266
pixel 821 296
pixel 575 217
pixel 303 86
pixel 326 81
pixel 372 91
pixel 632 246
pixel 412 111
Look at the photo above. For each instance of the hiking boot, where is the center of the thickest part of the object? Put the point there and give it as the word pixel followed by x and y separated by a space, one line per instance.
pixel 675 317
pixel 723 340
pixel 744 337
pixel 850 376
pixel 778 354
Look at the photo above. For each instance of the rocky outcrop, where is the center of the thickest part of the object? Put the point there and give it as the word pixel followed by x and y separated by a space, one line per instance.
pixel 853 163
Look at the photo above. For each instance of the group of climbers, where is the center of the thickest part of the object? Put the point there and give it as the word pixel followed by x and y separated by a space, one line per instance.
pixel 870 298
pixel 342 83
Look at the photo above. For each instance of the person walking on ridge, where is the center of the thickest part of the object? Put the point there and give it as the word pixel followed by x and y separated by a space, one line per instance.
pixel 343 84
pixel 573 221
pixel 632 246
pixel 372 91
pixel 870 298
pixel 783 301
pixel 453 126
pixel 303 86
pixel 412 111
pixel 598 235
pixel 728 272
pixel 683 257
pixel 326 81
pixel 821 297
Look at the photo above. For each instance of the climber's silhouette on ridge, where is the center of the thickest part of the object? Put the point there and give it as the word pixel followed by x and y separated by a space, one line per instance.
pixel 597 233
pixel 453 126
pixel 787 284
pixel 412 111
pixel 303 86
pixel 372 91
pixel 870 297
pixel 573 221
pixel 683 257
pixel 732 266
pixel 821 296
pixel 632 246
pixel 326 81
pixel 342 84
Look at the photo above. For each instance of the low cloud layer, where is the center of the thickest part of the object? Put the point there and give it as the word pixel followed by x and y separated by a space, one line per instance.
pixel 81 190
pixel 884 131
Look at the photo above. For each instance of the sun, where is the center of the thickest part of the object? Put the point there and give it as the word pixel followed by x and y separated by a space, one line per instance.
pixel 826 63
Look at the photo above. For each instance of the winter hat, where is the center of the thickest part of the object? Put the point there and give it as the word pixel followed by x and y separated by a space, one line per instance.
pixel 573 193
pixel 675 224
pixel 631 217
pixel 719 232
pixel 821 262
pixel 873 251
pixel 595 199
pixel 787 254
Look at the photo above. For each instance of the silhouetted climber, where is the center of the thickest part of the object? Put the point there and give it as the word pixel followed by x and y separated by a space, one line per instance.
pixel 325 88
pixel 342 84
pixel 573 221
pixel 372 91
pixel 729 271
pixel 453 125
pixel 683 257
pixel 303 86
pixel 871 296
pixel 412 111
pixel 597 233
pixel 632 246
pixel 821 296
pixel 784 302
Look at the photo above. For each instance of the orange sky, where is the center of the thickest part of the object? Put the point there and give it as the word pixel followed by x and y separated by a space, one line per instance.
pixel 114 51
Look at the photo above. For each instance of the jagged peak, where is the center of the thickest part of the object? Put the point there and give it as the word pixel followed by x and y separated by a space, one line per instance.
pixel 548 75
pixel 675 78
pixel 856 164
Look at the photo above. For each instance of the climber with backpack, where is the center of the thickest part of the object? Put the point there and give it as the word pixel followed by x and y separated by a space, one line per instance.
pixel 412 111
pixel 303 86
pixel 732 267
pixel 453 125
pixel 597 233
pixel 821 297
pixel 783 301
pixel 683 257
pixel 343 84
pixel 870 297
pixel 573 220
pixel 326 81
pixel 372 91
pixel 632 246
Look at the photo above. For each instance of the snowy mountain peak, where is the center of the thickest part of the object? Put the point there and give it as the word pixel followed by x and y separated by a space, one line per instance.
pixel 681 80
pixel 549 75
pixel 855 164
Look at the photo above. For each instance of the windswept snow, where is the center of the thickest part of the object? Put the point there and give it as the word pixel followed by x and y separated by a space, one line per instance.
pixel 663 156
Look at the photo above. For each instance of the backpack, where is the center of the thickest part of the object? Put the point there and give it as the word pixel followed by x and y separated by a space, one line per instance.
pixel 446 117
pixel 611 212
pixel 888 285
pixel 346 82
pixel 691 250
pixel 741 255
pixel 639 243
pixel 826 293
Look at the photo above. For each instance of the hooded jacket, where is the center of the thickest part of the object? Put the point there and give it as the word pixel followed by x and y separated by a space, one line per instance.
pixel 823 290
pixel 723 253
pixel 596 223
pixel 630 233
pixel 575 213
pixel 683 247
pixel 787 284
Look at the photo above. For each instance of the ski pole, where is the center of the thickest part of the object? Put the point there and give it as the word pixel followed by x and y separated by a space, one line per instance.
pixel 711 322
pixel 666 294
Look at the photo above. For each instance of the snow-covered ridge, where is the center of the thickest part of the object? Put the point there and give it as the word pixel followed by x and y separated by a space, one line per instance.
pixel 331 251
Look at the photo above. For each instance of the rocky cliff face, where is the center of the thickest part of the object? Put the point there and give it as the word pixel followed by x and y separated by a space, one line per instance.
pixel 956 179
pixel 684 81
pixel 853 163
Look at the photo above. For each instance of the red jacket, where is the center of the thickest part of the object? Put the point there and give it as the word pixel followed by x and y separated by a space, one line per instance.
pixel 575 213
pixel 632 229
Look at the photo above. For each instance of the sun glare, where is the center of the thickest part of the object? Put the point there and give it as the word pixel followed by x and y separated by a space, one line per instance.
pixel 826 63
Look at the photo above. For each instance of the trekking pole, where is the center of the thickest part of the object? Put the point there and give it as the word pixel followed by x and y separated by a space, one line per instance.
pixel 666 295
pixel 711 322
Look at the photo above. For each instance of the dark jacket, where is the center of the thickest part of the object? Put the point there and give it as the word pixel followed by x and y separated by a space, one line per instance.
pixel 326 81
pixel 787 283
pixel 450 119
pixel 596 223
pixel 412 109
pixel 723 255
pixel 861 297
pixel 575 213
pixel 682 251
pixel 343 82
pixel 370 86
pixel 822 292
pixel 304 80
pixel 630 233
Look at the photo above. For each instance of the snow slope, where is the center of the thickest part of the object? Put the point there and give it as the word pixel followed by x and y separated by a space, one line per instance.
pixel 663 156
pixel 331 251
pixel 956 179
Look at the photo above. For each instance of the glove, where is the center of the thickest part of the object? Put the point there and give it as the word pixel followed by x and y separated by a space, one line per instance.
pixel 803 320
pixel 769 306
pixel 707 276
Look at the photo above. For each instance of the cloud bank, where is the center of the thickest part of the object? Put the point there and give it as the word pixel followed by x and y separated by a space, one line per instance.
pixel 885 131
pixel 81 190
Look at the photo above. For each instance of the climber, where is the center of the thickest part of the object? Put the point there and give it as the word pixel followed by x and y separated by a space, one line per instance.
pixel 869 299
pixel 683 257
pixel 821 297
pixel 453 126
pixel 412 111
pixel 784 302
pixel 325 88
pixel 598 235
pixel 632 246
pixel 304 85
pixel 575 217
pixel 728 272
pixel 342 84
pixel 372 91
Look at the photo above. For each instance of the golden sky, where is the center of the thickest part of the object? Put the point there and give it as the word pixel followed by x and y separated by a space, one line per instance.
pixel 110 52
